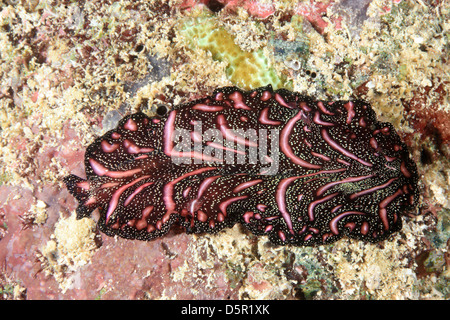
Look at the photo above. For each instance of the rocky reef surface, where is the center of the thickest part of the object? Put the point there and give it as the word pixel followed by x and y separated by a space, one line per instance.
pixel 69 71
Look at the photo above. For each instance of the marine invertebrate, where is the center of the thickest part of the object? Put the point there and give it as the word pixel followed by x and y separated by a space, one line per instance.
pixel 301 171
pixel 246 70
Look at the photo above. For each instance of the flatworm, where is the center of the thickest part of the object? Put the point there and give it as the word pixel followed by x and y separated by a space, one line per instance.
pixel 302 172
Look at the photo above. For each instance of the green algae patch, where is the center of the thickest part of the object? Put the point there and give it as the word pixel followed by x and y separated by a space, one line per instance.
pixel 245 69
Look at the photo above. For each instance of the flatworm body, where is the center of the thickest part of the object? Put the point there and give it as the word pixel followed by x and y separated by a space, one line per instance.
pixel 301 171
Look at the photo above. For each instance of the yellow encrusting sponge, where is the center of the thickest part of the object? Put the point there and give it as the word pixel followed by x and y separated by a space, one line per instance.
pixel 247 70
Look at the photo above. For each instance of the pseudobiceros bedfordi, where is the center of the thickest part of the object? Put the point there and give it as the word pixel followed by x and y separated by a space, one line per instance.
pixel 301 171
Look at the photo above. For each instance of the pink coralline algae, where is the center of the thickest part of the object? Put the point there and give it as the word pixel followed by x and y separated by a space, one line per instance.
pixel 258 9
pixel 303 172
pixel 314 12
